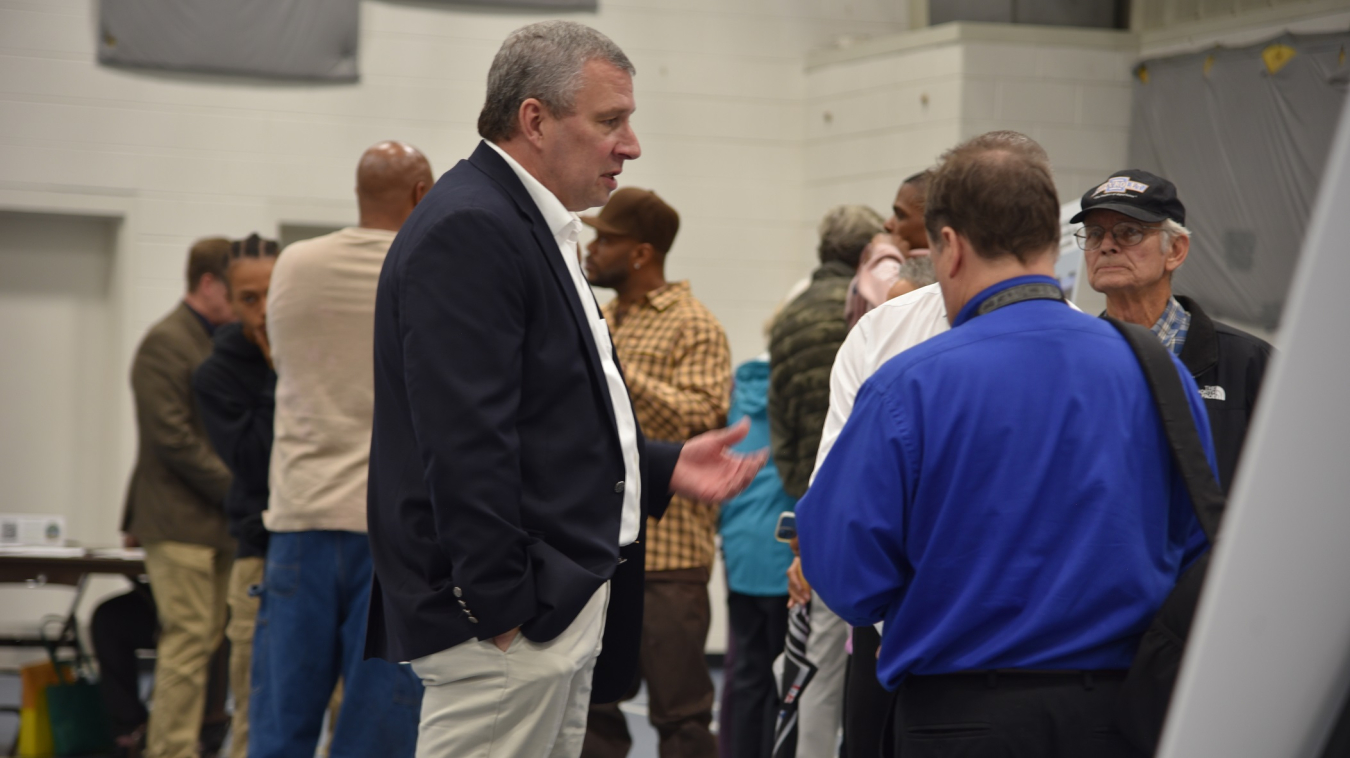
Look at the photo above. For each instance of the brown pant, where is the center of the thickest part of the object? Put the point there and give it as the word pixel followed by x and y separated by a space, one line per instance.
pixel 675 622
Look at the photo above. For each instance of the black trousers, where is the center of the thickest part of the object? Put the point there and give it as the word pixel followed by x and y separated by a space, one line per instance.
pixel 1017 714
pixel 675 619
pixel 120 626
pixel 759 628
pixel 867 705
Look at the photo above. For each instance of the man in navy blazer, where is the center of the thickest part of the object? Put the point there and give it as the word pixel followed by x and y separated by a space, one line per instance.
pixel 509 482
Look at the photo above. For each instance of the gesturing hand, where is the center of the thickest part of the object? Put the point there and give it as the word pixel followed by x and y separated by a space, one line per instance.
pixel 709 470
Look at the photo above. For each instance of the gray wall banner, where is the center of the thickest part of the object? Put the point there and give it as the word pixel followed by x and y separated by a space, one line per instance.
pixel 573 5
pixel 1245 134
pixel 289 39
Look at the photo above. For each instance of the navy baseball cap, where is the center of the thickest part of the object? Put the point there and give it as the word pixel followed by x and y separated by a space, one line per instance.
pixel 1137 194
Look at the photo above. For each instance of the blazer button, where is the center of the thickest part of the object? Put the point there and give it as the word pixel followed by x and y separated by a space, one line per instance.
pixel 473 620
pixel 618 486
pixel 459 592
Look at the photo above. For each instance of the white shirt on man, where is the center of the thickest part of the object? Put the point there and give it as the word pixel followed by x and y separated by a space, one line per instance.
pixel 566 229
pixel 879 336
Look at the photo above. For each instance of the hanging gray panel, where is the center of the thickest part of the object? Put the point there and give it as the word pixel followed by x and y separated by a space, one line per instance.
pixel 1245 141
pixel 291 39
pixel 576 5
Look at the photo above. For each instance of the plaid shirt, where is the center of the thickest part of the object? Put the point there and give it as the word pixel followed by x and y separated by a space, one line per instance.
pixel 1172 326
pixel 677 363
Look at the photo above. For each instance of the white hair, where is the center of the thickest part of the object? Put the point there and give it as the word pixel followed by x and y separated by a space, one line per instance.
pixel 1170 230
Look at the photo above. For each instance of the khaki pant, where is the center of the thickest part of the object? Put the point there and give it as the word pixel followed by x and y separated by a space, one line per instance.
pixel 530 701
pixel 189 583
pixel 243 613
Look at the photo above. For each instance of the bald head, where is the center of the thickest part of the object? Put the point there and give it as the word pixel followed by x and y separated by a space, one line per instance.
pixel 391 180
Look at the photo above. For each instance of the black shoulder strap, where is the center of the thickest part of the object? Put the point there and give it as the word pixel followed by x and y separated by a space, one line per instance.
pixel 1174 410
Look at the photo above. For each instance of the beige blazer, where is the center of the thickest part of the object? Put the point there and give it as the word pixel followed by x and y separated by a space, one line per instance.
pixel 178 487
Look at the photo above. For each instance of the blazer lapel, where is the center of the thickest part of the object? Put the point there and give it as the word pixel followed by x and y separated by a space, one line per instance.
pixel 489 162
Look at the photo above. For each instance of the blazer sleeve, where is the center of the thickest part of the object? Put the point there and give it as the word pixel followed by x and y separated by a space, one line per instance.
pixel 658 463
pixel 164 410
pixel 461 318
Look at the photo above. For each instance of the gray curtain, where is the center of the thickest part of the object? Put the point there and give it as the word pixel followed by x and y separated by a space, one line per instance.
pixel 291 39
pixel 1245 139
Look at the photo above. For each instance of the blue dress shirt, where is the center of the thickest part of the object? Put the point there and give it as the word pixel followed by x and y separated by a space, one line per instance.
pixel 1003 496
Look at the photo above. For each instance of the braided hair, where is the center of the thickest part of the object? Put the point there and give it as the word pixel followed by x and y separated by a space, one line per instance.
pixel 253 246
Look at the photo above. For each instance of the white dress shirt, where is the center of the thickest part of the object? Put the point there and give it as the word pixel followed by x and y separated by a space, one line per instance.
pixel 566 229
pixel 879 336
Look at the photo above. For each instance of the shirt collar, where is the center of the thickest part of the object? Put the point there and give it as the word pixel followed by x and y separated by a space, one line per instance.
pixel 555 214
pixel 207 325
pixel 662 298
pixel 1172 326
pixel 968 310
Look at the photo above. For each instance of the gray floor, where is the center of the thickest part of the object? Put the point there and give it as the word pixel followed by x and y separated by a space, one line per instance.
pixel 644 736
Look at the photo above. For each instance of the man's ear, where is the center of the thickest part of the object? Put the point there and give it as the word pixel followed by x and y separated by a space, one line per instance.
pixel 954 250
pixel 419 191
pixel 643 255
pixel 1181 247
pixel 531 117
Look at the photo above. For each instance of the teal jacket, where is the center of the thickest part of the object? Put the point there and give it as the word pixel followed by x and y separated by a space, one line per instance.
pixel 756 562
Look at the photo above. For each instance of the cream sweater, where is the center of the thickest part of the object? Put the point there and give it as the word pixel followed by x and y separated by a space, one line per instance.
pixel 320 321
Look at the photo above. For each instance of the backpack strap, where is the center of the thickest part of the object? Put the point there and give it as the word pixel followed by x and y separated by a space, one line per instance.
pixel 1169 395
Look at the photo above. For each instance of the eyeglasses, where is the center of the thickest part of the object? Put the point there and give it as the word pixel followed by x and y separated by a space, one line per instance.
pixel 1128 235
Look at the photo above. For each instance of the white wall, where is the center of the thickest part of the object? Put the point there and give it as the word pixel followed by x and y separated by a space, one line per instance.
pixel 181 156
pixel 878 111
pixel 174 157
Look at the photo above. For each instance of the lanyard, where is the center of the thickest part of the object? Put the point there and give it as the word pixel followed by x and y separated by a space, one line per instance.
pixel 1020 294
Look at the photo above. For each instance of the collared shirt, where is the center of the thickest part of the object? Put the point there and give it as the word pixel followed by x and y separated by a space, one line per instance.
pixel 566 229
pixel 678 364
pixel 207 325
pixel 1004 497
pixel 1172 326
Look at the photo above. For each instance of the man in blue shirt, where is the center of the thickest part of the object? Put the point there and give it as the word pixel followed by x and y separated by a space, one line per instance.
pixel 1003 496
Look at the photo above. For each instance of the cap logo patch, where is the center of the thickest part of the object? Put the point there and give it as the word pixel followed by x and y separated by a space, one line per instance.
pixel 1119 185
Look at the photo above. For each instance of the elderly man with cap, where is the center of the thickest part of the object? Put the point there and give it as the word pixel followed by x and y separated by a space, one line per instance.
pixel 677 363
pixel 1134 240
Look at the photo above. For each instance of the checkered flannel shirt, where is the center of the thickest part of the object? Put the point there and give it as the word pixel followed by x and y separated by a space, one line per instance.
pixel 677 364
pixel 1172 326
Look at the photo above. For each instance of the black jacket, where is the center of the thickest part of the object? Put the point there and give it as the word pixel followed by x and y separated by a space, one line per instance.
pixel 1228 365
pixel 236 391
pixel 496 473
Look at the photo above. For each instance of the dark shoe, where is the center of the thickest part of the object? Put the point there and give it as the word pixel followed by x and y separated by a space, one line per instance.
pixel 211 738
pixel 130 745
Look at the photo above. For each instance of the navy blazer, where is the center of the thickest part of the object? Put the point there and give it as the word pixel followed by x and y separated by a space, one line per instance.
pixel 496 474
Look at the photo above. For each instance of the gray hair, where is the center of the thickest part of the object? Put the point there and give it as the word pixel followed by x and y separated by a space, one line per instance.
pixel 542 61
pixel 1170 230
pixel 1006 139
pixel 845 231
pixel 918 271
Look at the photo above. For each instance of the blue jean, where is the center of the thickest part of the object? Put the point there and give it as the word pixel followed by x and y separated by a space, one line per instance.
pixel 311 629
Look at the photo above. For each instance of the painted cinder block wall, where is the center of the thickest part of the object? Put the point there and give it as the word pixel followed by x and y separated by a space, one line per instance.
pixel 140 163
